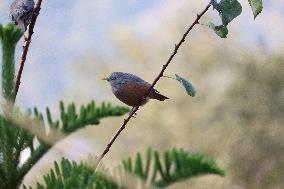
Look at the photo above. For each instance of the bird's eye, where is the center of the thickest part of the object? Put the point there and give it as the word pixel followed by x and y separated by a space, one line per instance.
pixel 114 78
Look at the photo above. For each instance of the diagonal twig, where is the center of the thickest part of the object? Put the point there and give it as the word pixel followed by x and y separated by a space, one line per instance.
pixel 27 41
pixel 134 110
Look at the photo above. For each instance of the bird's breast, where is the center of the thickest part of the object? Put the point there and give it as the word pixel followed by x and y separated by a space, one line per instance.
pixel 130 92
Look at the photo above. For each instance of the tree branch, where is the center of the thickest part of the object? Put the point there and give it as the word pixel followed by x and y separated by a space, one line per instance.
pixel 134 110
pixel 26 46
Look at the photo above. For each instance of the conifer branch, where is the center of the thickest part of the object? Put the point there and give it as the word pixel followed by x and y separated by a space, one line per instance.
pixel 36 155
pixel 160 75
pixel 27 41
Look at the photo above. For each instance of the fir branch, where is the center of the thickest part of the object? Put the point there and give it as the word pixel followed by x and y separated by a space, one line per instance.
pixel 162 171
pixel 3 177
pixel 35 156
pixel 91 114
pixel 160 75
pixel 9 37
pixel 17 132
pixel 67 174
pixel 174 166
pixel 34 126
pixel 12 142
pixel 26 45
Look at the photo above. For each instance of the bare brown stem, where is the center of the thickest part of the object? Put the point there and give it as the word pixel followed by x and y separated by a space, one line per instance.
pixel 27 41
pixel 134 110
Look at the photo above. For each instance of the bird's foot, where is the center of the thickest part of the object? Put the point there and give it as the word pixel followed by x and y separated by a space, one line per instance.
pixel 26 38
pixel 133 114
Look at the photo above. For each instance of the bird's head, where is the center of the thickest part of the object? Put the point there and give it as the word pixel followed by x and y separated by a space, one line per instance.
pixel 116 78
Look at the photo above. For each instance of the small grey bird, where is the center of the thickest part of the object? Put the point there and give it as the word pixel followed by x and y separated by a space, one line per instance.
pixel 21 12
pixel 129 88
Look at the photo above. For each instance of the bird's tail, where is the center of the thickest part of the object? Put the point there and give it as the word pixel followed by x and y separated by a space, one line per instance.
pixel 158 96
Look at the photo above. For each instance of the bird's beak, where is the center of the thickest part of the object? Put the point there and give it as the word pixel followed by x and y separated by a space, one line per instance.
pixel 105 79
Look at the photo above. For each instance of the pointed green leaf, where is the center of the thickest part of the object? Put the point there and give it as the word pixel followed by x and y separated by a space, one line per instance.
pixel 187 85
pixel 158 165
pixel 228 10
pixel 148 161
pixel 138 169
pixel 1 32
pixel 256 6
pixel 167 162
pixel 221 30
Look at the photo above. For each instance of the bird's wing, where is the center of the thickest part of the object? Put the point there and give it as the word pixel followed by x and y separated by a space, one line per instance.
pixel 29 6
pixel 14 12
pixel 139 88
pixel 131 92
pixel 135 88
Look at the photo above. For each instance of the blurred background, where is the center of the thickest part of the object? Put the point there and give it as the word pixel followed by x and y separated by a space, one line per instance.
pixel 236 117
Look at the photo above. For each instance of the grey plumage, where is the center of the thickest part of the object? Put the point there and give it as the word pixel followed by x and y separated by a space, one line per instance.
pixel 21 12
pixel 118 79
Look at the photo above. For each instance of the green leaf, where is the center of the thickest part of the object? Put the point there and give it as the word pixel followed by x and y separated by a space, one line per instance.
pixel 256 6
pixel 187 85
pixel 228 10
pixel 138 166
pixel 221 30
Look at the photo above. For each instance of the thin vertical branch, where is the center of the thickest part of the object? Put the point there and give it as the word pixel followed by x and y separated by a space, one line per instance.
pixel 26 45
pixel 160 75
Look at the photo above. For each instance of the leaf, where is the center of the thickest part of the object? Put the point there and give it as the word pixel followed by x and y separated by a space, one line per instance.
pixel 256 6
pixel 221 30
pixel 228 10
pixel 187 85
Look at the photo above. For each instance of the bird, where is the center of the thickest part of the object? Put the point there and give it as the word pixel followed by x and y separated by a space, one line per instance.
pixel 21 12
pixel 130 89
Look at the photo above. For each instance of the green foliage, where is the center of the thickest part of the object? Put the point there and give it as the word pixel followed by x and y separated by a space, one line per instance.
pixel 70 175
pixel 256 6
pixel 10 34
pixel 9 37
pixel 228 10
pixel 70 120
pixel 90 114
pixel 13 139
pixel 221 30
pixel 187 85
pixel 175 166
